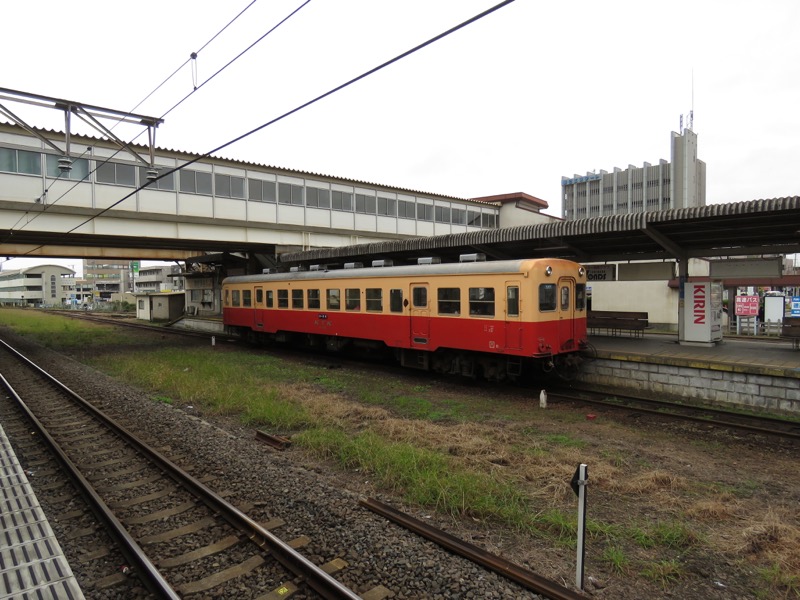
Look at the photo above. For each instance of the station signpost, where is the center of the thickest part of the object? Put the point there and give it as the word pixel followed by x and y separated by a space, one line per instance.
pixel 578 484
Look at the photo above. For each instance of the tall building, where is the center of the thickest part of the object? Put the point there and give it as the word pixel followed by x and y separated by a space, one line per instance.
pixel 107 276
pixel 680 183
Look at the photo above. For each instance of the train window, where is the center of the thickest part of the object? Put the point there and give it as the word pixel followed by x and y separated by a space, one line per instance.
pixel 396 300
pixel 512 301
pixel 297 299
pixel 333 300
pixel 580 296
pixel 283 298
pixel 247 297
pixel 235 298
pixel 352 299
pixel 564 297
pixel 420 297
pixel 547 296
pixel 259 297
pixel 374 297
pixel 313 299
pixel 481 301
pixel 449 301
pixel 227 297
pixel 270 295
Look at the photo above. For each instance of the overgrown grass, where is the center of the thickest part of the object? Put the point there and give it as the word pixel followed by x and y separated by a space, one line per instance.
pixel 665 572
pixel 58 332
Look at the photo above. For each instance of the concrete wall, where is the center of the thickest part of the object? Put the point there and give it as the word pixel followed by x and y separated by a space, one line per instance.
pixel 773 392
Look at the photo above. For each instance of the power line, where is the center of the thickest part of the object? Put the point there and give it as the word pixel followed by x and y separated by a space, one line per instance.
pixel 302 106
pixel 193 56
pixel 99 163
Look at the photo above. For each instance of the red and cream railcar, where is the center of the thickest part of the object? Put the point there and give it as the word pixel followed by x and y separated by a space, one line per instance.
pixel 495 320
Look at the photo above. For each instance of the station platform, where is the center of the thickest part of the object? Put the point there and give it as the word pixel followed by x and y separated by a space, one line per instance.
pixel 32 564
pixel 756 356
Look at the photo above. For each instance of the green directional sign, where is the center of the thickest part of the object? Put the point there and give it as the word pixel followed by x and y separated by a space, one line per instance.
pixel 135 266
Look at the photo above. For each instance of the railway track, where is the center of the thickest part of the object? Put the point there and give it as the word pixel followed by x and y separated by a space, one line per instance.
pixel 178 536
pixel 710 416
pixel 134 505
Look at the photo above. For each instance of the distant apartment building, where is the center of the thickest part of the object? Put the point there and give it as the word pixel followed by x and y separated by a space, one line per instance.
pixel 42 285
pixel 679 183
pixel 158 279
pixel 107 276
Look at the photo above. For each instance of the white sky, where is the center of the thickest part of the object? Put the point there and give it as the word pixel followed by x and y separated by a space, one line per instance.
pixel 511 103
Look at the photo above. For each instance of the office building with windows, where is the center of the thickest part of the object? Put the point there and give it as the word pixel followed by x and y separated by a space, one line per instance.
pixel 679 183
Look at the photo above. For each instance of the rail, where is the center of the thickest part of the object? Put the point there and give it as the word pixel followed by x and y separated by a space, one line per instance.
pixel 614 322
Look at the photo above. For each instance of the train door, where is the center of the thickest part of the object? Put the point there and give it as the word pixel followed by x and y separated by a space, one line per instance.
pixel 420 314
pixel 566 313
pixel 258 312
pixel 513 324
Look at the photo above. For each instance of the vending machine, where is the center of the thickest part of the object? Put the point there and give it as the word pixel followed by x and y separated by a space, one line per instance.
pixel 701 313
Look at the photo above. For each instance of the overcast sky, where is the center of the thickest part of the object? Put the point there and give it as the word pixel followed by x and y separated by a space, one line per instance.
pixel 511 103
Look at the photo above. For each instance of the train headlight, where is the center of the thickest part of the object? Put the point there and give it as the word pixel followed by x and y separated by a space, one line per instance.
pixel 581 271
pixel 548 270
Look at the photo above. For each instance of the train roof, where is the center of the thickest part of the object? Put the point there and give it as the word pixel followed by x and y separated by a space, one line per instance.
pixel 465 268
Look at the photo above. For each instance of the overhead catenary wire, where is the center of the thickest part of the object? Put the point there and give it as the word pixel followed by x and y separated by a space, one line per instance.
pixel 302 106
pixel 330 92
pixel 196 88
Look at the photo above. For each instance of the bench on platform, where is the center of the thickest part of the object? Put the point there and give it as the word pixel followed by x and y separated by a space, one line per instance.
pixel 790 330
pixel 614 322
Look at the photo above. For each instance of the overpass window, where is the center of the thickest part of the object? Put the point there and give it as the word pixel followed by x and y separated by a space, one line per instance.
pixel 396 300
pixel 481 301
pixel 459 216
pixel 79 171
pixel 365 204
pixel 247 298
pixel 165 183
pixel 442 214
pixel 116 173
pixel 290 194
pixel 20 161
pixel 547 296
pixel 374 298
pixel 580 296
pixel 352 299
pixel 424 212
pixel 488 220
pixel 261 191
pixel 313 299
pixel 318 198
pixel 283 298
pixel 449 301
pixel 333 299
pixel 297 299
pixel 473 218
pixel 342 201
pixel 228 186
pixel 196 182
pixel 387 206
pixel 406 209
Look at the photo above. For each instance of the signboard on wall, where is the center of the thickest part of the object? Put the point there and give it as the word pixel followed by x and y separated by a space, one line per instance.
pixel 746 306
pixel 601 272
pixel 796 306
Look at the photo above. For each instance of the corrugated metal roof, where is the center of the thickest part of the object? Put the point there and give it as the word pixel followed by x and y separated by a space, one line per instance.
pixel 735 229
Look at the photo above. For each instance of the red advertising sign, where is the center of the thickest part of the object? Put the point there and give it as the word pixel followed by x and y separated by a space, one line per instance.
pixel 746 306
